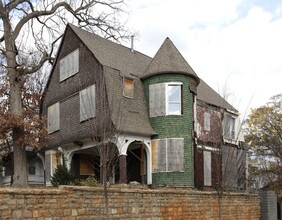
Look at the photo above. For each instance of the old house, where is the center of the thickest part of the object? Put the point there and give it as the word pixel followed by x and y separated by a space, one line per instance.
pixel 163 124
pixel 220 160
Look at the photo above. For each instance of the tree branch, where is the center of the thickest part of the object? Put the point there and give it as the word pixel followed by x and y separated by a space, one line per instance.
pixel 36 14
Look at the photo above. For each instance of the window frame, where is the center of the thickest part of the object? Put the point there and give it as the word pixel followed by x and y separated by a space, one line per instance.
pixel 230 127
pixel 164 164
pixel 65 70
pixel 53 127
pixel 167 101
pixel 84 116
pixel 207 121
pixel 128 92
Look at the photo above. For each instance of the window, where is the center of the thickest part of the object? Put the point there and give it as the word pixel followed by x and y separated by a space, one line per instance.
pixel 128 87
pixel 207 168
pixel 165 99
pixel 173 99
pixel 229 131
pixel 87 103
pixel 53 114
pixel 207 121
pixel 170 155
pixel 69 65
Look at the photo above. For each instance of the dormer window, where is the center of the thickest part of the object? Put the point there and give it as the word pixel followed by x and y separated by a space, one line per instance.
pixel 128 87
pixel 69 65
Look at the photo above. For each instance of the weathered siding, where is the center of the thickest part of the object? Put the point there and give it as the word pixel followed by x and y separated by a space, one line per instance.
pixel 67 92
pixel 175 126
pixel 214 135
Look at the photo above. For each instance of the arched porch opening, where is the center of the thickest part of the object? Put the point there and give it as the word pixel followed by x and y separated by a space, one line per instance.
pixel 136 162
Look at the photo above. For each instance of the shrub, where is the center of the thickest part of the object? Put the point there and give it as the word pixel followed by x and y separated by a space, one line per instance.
pixel 62 175
pixel 90 181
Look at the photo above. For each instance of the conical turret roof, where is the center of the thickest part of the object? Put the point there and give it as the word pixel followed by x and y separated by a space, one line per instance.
pixel 169 60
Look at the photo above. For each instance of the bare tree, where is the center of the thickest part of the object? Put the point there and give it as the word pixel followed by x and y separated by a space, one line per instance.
pixel 33 28
pixel 104 134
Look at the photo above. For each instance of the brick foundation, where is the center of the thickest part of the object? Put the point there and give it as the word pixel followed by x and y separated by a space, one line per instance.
pixel 125 203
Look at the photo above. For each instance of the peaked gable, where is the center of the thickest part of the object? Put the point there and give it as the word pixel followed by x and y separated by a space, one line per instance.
pixel 206 94
pixel 169 59
pixel 112 54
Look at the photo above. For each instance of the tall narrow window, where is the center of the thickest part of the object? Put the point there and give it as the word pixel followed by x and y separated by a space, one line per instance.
pixel 174 100
pixel 69 65
pixel 229 131
pixel 207 168
pixel 157 103
pixel 87 103
pixel 53 114
pixel 128 87
pixel 207 121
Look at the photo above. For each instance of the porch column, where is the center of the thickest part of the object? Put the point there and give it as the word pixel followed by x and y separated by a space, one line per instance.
pixel 122 169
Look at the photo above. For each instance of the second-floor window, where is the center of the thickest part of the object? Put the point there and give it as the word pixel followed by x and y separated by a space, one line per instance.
pixel 87 103
pixel 53 114
pixel 69 65
pixel 173 99
pixel 165 99
pixel 229 127
pixel 128 87
pixel 207 121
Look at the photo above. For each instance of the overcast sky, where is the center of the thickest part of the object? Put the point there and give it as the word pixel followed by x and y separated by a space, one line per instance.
pixel 234 42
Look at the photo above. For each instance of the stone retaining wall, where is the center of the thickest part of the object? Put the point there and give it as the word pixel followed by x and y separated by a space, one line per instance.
pixel 72 203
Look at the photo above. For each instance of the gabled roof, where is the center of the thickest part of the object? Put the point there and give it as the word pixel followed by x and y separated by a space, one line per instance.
pixel 206 94
pixel 123 62
pixel 169 60
pixel 128 115
pixel 112 54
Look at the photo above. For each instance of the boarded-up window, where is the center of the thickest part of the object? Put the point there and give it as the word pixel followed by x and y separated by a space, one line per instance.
pixel 207 121
pixel 169 155
pixel 229 127
pixel 173 99
pixel 53 118
pixel 86 166
pixel 87 103
pixel 207 168
pixel 175 152
pixel 157 100
pixel 69 65
pixel 128 87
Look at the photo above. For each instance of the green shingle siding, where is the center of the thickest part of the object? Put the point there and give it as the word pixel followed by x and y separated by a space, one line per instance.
pixel 172 126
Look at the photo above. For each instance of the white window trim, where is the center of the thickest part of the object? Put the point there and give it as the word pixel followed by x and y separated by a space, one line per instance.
pixel 228 136
pixel 167 96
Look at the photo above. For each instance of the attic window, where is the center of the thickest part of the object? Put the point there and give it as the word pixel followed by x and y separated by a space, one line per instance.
pixel 128 87
pixel 69 65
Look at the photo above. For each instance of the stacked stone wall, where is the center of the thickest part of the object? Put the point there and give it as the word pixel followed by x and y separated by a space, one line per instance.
pixel 74 203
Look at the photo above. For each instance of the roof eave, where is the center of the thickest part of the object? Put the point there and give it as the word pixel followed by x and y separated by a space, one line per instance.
pixel 174 72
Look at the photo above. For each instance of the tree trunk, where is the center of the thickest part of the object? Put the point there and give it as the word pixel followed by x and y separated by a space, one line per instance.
pixel 20 162
pixel 104 179
pixel 20 177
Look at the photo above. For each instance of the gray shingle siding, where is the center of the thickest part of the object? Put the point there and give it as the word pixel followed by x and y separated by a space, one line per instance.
pixel 67 92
